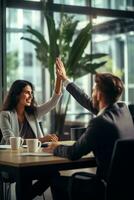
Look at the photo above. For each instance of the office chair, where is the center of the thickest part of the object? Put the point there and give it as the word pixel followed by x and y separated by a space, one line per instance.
pixel 120 184
pixel 131 109
pixel 120 180
pixel 5 182
pixel 76 132
pixel 1 189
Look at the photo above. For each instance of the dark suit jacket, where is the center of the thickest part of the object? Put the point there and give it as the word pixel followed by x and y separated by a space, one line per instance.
pixel 103 130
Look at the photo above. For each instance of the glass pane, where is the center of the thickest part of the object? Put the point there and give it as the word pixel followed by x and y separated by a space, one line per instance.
pixel 71 2
pixel 21 57
pixel 114 4
pixel 33 0
pixel 19 19
pixel 130 47
pixel 131 95
pixel 113 36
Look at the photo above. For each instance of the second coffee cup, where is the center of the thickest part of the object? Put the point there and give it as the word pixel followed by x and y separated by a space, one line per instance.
pixel 33 145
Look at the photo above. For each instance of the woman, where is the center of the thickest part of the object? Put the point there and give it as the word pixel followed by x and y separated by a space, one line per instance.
pixel 20 115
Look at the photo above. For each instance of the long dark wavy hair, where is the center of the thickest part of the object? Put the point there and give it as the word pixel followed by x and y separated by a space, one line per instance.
pixel 12 98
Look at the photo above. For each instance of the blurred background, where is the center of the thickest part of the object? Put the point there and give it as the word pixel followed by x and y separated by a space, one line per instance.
pixel 112 34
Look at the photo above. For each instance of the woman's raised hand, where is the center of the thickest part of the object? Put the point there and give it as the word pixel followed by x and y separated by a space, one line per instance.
pixel 60 69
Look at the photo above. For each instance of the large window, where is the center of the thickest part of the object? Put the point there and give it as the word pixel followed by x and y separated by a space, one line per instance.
pixel 113 33
pixel 33 0
pixel 114 4
pixel 115 37
pixel 71 2
pixel 21 58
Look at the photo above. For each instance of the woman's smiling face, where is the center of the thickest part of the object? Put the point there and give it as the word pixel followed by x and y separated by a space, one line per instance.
pixel 26 96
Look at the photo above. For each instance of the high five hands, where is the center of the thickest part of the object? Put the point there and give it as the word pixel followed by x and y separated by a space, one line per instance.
pixel 60 69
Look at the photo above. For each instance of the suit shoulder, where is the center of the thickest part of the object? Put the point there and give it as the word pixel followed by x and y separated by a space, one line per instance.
pixel 102 121
pixel 98 121
pixel 5 113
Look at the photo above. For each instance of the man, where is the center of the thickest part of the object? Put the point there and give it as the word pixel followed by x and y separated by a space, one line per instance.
pixel 113 121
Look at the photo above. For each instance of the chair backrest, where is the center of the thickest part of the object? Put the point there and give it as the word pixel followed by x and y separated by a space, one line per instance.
pixel 120 183
pixel 0 135
pixel 76 132
pixel 131 109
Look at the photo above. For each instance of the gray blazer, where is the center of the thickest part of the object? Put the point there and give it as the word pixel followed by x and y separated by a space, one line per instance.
pixel 9 121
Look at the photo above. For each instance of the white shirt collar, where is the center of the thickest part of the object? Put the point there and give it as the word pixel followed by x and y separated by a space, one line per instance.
pixel 101 111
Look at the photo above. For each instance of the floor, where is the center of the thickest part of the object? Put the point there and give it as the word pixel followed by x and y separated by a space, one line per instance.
pixel 48 195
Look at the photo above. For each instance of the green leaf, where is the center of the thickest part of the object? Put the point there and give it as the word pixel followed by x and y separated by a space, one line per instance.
pixel 91 67
pixel 53 47
pixel 94 56
pixel 79 46
pixel 38 35
pixel 34 42
pixel 67 28
pixel 81 70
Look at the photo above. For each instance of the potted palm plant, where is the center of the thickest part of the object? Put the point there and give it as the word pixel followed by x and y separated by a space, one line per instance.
pixel 66 42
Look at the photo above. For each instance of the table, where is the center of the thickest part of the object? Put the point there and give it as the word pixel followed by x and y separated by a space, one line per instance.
pixel 19 166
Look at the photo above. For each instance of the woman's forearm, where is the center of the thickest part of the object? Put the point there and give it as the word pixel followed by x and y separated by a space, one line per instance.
pixel 58 86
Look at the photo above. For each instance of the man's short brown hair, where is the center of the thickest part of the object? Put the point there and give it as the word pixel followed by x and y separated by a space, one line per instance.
pixel 110 85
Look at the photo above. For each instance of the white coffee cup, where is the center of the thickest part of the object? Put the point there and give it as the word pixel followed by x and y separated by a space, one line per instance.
pixel 33 145
pixel 16 142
